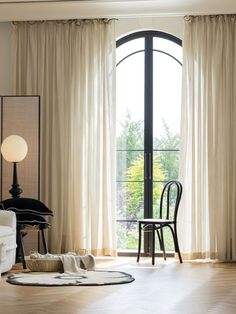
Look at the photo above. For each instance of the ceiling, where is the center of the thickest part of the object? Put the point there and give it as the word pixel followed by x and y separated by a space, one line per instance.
pixel 62 9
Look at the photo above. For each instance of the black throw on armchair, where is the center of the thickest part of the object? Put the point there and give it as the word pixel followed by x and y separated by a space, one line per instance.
pixel 29 216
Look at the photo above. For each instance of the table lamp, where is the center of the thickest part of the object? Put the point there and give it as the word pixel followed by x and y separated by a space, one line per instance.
pixel 14 149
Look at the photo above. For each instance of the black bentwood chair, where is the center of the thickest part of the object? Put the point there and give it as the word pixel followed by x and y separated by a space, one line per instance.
pixel 169 204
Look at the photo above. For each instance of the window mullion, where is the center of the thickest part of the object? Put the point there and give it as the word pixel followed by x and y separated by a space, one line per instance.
pixel 148 134
pixel 148 123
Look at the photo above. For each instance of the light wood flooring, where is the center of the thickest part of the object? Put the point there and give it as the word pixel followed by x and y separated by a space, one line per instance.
pixel 167 287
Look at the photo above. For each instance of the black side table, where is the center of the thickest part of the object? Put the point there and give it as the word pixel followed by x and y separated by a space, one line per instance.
pixel 22 231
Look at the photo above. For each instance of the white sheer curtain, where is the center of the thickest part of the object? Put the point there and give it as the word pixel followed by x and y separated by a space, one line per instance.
pixel 71 65
pixel 207 220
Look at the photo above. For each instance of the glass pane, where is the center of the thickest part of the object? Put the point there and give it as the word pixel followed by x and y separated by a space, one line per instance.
pixel 130 200
pixel 165 165
pixel 168 240
pixel 168 46
pixel 167 75
pixel 130 102
pixel 130 136
pixel 128 48
pixel 127 236
pixel 130 166
pixel 157 189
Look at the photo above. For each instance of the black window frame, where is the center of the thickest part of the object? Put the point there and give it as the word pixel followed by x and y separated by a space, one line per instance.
pixel 148 50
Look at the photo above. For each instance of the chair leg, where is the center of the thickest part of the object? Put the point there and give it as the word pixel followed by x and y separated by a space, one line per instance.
pixel 139 240
pixel 163 245
pixel 21 248
pixel 17 247
pixel 153 244
pixel 176 243
pixel 39 241
pixel 44 242
pixel 159 238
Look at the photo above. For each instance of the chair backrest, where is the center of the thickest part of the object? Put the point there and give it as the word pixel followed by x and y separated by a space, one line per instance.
pixel 170 199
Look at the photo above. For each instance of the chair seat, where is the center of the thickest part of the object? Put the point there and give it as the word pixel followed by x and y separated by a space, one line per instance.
pixel 155 221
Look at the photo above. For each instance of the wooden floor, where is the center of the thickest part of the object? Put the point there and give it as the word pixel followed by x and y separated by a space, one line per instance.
pixel 168 287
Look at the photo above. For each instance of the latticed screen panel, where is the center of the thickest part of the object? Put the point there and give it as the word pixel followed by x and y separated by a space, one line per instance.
pixel 20 116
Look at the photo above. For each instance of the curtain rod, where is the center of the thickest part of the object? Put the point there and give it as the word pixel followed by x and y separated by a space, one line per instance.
pixel 36 1
pixel 69 21
pixel 190 17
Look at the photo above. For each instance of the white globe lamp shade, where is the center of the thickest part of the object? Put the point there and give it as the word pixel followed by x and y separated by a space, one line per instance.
pixel 14 148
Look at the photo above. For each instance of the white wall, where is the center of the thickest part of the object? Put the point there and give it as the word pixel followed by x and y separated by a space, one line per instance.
pixel 5 59
pixel 172 25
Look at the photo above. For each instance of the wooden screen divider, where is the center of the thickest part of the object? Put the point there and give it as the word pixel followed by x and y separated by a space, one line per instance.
pixel 20 115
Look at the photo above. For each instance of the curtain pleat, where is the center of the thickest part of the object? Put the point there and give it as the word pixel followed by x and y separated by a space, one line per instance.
pixel 207 221
pixel 71 65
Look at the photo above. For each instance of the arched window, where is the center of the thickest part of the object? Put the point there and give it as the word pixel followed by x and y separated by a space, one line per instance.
pixel 149 76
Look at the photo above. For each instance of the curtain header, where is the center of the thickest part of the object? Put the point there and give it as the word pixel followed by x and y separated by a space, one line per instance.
pixel 72 21
pixel 190 18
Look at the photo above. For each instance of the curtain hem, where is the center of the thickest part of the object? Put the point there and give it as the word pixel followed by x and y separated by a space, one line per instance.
pixel 98 252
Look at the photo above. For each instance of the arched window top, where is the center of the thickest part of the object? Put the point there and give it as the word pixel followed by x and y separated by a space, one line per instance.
pixel 161 42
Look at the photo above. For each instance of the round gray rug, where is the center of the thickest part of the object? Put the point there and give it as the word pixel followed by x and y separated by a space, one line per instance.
pixel 89 278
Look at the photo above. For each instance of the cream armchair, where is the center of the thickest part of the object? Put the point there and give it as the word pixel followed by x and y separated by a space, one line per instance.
pixel 7 240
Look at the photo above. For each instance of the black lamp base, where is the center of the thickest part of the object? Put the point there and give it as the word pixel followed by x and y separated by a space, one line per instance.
pixel 15 191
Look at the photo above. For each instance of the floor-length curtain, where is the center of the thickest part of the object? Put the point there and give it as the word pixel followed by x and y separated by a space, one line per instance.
pixel 208 139
pixel 71 65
